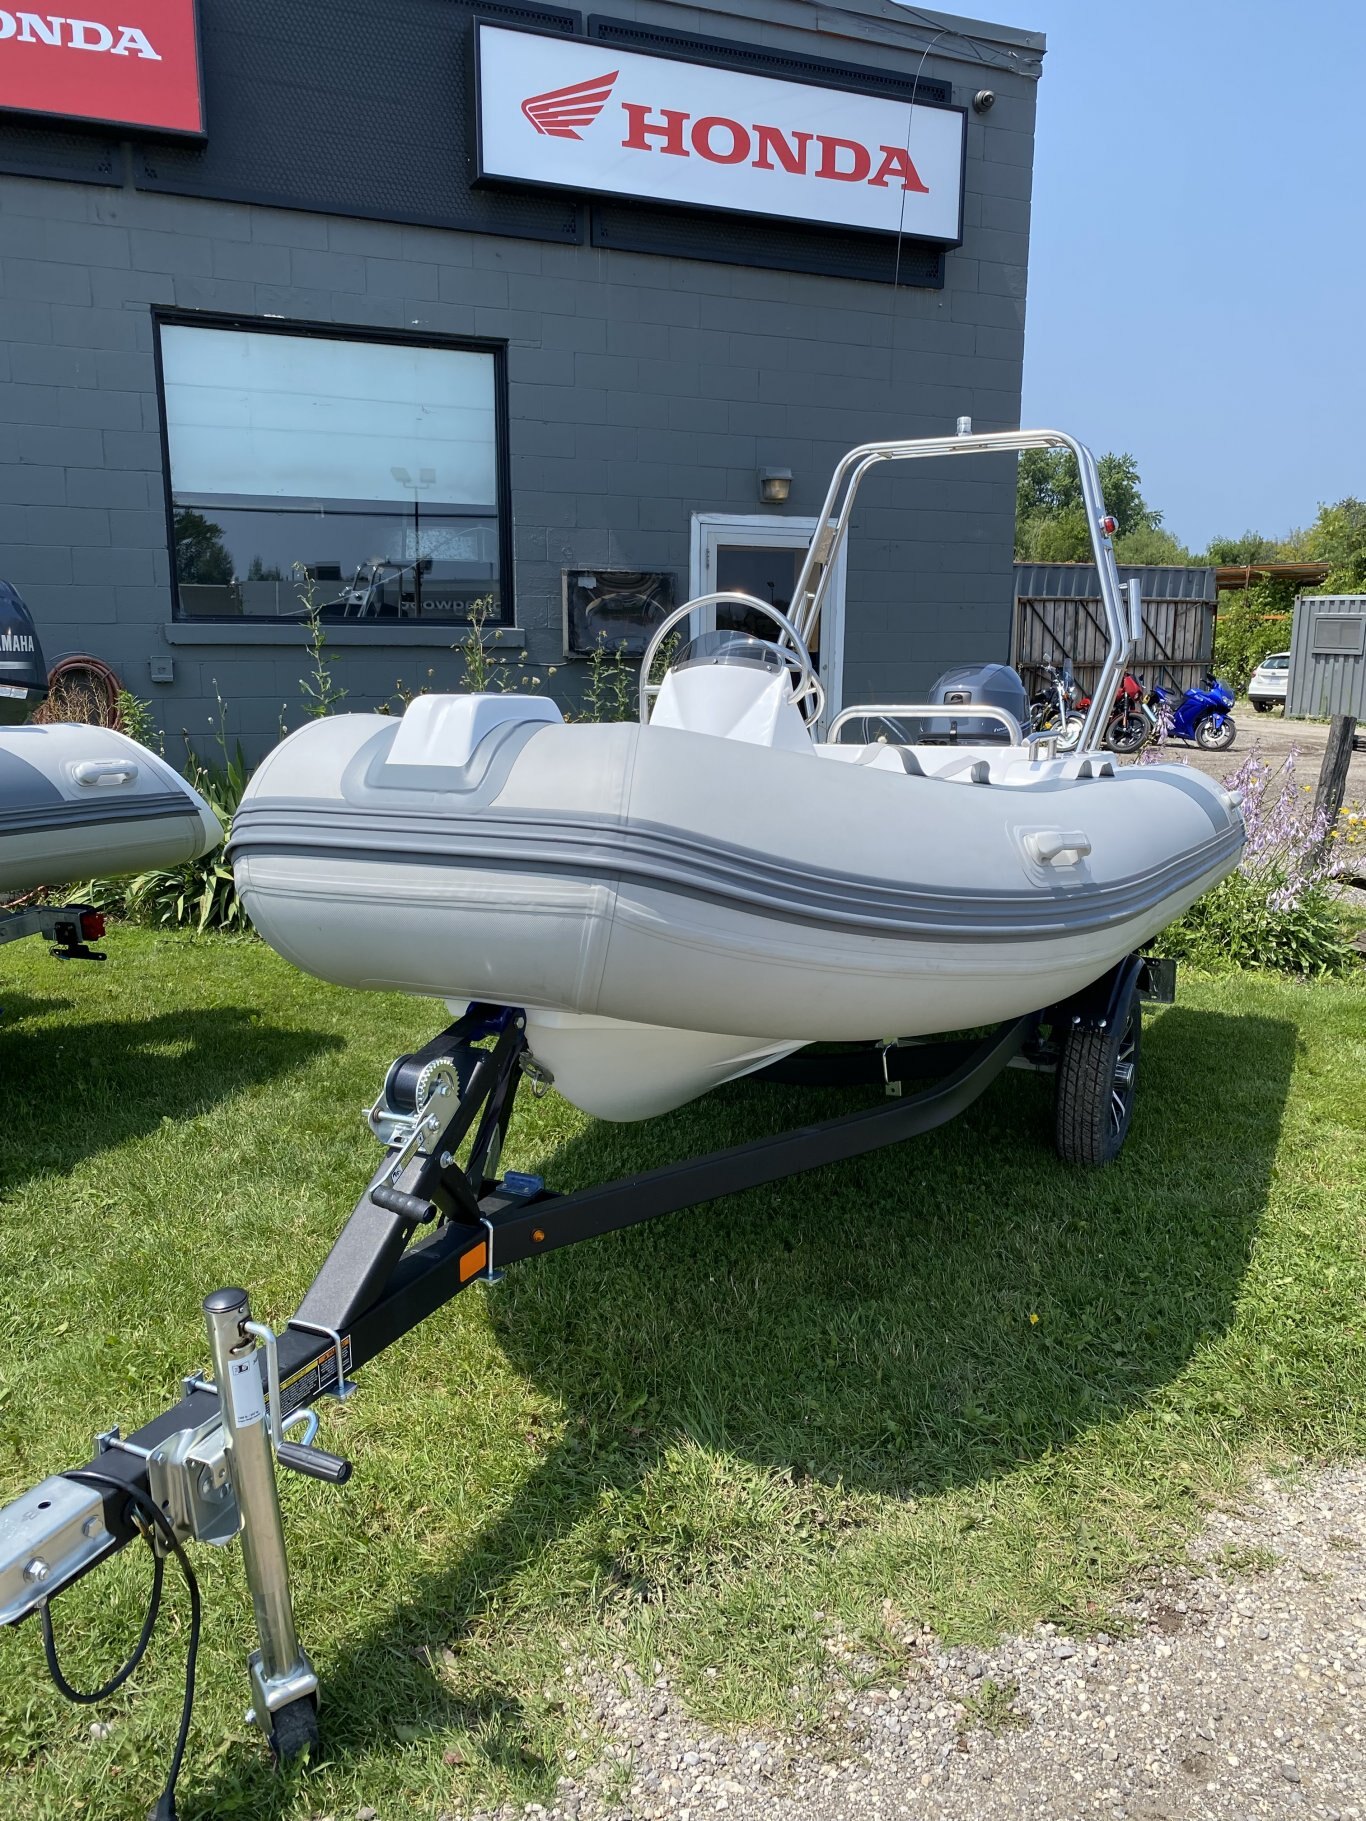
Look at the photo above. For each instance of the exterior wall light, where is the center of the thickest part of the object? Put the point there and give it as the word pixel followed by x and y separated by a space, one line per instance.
pixel 774 485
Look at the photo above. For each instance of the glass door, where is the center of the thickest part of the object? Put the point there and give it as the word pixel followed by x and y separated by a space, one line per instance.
pixel 763 557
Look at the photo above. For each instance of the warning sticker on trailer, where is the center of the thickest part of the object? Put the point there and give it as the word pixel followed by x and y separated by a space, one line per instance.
pixel 244 1388
pixel 311 1382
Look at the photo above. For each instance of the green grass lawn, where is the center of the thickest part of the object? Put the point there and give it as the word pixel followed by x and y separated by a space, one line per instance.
pixel 953 1382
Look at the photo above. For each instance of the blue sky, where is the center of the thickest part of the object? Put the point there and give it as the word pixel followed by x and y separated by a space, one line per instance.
pixel 1197 285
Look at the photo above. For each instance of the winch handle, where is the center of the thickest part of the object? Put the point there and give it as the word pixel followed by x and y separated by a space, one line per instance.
pixel 315 1462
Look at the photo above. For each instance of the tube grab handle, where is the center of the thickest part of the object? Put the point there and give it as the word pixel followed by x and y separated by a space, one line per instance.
pixel 1057 846
pixel 101 773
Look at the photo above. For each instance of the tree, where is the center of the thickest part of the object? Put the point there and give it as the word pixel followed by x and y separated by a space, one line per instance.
pixel 1257 620
pixel 1252 622
pixel 1050 517
pixel 1338 537
pixel 1151 545
pixel 1237 552
pixel 200 553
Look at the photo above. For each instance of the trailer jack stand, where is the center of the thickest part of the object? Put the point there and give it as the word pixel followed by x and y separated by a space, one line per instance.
pixel 284 1689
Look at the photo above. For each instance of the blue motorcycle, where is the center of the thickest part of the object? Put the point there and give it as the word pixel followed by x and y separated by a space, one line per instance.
pixel 1202 715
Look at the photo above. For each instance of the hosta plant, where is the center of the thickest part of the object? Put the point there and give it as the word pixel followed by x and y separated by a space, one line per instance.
pixel 1279 908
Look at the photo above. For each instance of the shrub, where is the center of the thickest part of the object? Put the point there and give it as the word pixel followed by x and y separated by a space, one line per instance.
pixel 611 694
pixel 135 718
pixel 200 895
pixel 1278 909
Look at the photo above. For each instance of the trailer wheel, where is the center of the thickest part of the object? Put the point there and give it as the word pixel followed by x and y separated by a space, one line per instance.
pixel 1097 1074
pixel 294 1731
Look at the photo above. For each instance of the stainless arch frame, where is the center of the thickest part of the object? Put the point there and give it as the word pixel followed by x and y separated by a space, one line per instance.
pixel 1121 608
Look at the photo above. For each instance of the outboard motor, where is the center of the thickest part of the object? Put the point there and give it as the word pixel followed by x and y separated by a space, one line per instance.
pixel 997 684
pixel 23 672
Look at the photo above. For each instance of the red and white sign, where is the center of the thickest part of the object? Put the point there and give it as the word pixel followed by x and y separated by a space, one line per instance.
pixel 580 116
pixel 128 63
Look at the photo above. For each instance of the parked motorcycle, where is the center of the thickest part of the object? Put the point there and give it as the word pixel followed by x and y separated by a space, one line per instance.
pixel 1201 715
pixel 1129 727
pixel 1054 709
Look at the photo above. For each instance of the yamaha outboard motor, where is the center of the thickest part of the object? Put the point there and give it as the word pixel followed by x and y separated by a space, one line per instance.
pixel 23 673
pixel 997 684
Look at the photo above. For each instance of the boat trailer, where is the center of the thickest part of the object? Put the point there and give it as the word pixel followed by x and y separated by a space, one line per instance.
pixel 70 928
pixel 435 1218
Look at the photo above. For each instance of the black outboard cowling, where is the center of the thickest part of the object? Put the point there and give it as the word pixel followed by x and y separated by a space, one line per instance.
pixel 997 684
pixel 23 671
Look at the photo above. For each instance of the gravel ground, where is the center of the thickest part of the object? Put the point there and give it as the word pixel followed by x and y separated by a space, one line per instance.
pixel 1277 738
pixel 1233 1689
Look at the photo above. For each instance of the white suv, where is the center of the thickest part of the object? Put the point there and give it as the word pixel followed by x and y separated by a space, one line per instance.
pixel 1269 681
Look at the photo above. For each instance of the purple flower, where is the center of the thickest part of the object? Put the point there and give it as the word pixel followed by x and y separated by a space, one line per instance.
pixel 1288 852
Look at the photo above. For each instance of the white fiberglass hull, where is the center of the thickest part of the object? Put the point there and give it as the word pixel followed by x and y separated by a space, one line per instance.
pixel 673 909
pixel 82 802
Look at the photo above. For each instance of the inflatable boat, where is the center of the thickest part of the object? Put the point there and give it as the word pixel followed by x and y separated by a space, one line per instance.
pixel 81 802
pixel 683 901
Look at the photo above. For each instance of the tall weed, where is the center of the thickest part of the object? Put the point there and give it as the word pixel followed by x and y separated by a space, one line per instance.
pixel 1279 908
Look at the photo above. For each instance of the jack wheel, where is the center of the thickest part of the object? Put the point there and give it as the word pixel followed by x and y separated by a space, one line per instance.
pixel 294 1731
pixel 1097 1075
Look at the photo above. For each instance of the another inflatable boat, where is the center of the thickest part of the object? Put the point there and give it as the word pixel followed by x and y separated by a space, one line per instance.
pixel 81 802
pixel 682 901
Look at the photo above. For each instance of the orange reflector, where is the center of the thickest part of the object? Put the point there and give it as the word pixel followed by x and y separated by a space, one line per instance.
pixel 473 1261
pixel 537 1235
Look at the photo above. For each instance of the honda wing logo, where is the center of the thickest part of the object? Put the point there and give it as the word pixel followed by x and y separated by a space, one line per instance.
pixel 560 113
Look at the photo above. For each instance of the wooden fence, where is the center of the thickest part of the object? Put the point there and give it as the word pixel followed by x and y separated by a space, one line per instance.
pixel 1176 648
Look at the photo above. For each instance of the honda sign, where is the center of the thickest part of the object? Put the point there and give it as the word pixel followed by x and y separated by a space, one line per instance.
pixel 574 115
pixel 126 63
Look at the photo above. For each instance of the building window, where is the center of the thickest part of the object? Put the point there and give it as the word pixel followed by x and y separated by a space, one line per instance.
pixel 361 475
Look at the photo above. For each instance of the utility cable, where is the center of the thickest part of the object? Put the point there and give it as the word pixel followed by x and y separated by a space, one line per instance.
pixel 147 1509
pixel 80 1696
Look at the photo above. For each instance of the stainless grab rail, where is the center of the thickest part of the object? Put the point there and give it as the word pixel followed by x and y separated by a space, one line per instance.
pixel 813 582
pixel 938 711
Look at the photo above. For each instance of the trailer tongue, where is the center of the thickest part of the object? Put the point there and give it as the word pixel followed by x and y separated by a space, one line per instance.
pixel 435 1218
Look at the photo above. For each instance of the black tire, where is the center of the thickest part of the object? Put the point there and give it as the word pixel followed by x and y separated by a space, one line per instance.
pixel 1210 738
pixel 294 1731
pixel 1263 707
pixel 1070 735
pixel 1126 732
pixel 1097 1076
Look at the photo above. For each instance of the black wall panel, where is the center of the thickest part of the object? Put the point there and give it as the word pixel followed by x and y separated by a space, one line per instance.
pixel 365 108
pixel 749 240
pixel 79 154
pixel 360 108
pixel 767 60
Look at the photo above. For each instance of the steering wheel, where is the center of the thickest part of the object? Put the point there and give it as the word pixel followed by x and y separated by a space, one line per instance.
pixel 806 684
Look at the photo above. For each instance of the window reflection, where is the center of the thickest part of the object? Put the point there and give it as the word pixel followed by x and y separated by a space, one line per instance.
pixel 399 441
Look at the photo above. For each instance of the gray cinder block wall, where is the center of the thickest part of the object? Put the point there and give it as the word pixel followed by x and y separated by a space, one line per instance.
pixel 641 389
